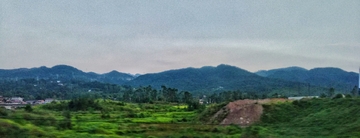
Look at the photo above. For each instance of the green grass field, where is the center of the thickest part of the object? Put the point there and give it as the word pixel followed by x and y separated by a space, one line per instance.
pixel 322 117
pixel 116 119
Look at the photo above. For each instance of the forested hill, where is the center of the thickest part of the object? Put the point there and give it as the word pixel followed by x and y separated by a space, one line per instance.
pixel 293 80
pixel 64 72
pixel 222 77
pixel 325 77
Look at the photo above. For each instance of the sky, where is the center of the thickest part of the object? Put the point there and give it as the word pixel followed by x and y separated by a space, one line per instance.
pixel 149 36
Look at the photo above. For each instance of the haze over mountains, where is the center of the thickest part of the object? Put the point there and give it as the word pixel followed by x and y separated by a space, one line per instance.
pixel 325 77
pixel 222 77
pixel 64 72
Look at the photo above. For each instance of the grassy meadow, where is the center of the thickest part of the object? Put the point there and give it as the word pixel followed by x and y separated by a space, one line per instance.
pixel 114 119
pixel 318 117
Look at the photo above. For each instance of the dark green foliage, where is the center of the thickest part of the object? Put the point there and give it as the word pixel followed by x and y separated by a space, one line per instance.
pixel 323 95
pixel 233 129
pixel 331 92
pixel 64 124
pixel 28 108
pixel 3 111
pixel 354 91
pixel 348 96
pixel 66 114
pixel 195 105
pixel 83 104
pixel 337 96
pixel 252 132
pixel 210 111
pixel 8 130
pixel 313 117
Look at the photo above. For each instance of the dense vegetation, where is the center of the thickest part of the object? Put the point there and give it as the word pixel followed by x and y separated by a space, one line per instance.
pixel 151 105
pixel 32 89
pixel 319 117
pixel 207 80
pixel 199 81
pixel 64 73
pixel 105 118
pixel 325 77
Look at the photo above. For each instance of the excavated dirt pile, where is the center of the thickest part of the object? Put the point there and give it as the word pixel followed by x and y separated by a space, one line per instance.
pixel 243 112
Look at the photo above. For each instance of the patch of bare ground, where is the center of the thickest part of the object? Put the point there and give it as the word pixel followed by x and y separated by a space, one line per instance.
pixel 243 112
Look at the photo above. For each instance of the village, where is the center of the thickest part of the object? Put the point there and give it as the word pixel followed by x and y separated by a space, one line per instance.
pixel 14 102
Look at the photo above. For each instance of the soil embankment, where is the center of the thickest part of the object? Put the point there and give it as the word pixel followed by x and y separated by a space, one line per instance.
pixel 244 112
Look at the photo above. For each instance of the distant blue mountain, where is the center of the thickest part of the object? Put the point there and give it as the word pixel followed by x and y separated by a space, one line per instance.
pixel 65 72
pixel 325 77
pixel 223 77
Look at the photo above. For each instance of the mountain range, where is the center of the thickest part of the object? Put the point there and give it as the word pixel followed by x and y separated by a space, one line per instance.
pixel 324 77
pixel 64 72
pixel 206 79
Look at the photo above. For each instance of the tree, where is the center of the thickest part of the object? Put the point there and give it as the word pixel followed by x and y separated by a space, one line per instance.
pixel 322 95
pixel 354 91
pixel 154 95
pixel 331 92
pixel 28 108
pixel 337 96
pixel 187 97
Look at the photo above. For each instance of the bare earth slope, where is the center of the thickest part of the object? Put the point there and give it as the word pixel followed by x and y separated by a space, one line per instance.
pixel 244 112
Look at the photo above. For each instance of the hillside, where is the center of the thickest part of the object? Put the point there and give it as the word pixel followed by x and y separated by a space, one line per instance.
pixel 287 81
pixel 63 73
pixel 220 78
pixel 311 118
pixel 318 117
pixel 324 77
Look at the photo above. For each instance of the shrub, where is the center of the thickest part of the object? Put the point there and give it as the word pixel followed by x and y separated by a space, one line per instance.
pixel 348 96
pixel 3 112
pixel 28 108
pixel 233 129
pixel 337 96
pixel 64 124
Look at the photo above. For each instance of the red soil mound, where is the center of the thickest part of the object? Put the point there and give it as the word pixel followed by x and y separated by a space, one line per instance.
pixel 245 112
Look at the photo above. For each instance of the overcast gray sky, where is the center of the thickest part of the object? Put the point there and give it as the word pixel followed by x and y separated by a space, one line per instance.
pixel 147 36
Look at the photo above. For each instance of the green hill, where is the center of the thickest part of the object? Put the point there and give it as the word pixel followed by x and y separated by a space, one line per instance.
pixel 309 118
pixel 324 77
pixel 63 73
pixel 221 78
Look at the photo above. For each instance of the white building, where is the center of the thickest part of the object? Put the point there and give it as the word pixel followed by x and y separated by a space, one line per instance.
pixel 302 97
pixel 17 99
pixel 48 100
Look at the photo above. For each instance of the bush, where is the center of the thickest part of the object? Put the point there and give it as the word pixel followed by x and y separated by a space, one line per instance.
pixel 28 108
pixel 65 124
pixel 3 112
pixel 338 96
pixel 348 96
pixel 233 129
pixel 105 116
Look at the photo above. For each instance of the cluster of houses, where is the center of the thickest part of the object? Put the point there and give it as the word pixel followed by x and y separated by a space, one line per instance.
pixel 19 100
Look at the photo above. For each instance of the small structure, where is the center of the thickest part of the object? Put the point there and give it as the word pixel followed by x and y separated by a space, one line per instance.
pixel 201 101
pixel 40 102
pixel 31 102
pixel 49 100
pixel 2 99
pixel 17 99
pixel 16 102
pixel 302 97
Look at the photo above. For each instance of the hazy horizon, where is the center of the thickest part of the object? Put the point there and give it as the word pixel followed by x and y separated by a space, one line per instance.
pixel 175 69
pixel 141 36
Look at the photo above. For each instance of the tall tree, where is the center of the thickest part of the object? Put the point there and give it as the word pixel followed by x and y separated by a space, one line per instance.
pixel 354 91
pixel 331 92
pixel 187 97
